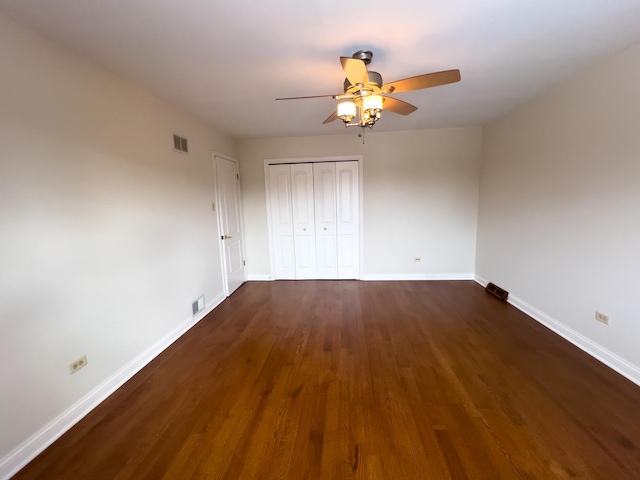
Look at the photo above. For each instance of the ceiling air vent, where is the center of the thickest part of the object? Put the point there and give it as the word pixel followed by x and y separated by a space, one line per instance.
pixel 180 144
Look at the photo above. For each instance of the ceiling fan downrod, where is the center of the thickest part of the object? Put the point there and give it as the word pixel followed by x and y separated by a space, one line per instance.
pixel 364 55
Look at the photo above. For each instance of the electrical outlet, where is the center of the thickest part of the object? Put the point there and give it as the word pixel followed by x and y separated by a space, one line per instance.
pixel 601 317
pixel 417 259
pixel 78 364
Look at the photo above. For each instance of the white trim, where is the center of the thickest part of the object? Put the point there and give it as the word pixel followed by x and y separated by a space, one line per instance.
pixel 341 158
pixel 259 278
pixel 34 445
pixel 360 159
pixel 613 361
pixel 267 191
pixel 416 276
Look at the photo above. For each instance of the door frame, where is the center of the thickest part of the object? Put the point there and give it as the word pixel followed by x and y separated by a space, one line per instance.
pixel 340 158
pixel 223 260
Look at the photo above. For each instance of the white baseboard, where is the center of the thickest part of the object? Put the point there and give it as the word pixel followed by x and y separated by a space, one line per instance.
pixel 48 434
pixel 416 276
pixel 387 277
pixel 259 278
pixel 619 364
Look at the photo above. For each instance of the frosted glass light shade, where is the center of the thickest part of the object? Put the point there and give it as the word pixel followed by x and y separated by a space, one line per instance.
pixel 372 104
pixel 346 111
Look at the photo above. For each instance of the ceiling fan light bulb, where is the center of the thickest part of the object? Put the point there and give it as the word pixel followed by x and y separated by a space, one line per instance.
pixel 367 119
pixel 346 111
pixel 372 105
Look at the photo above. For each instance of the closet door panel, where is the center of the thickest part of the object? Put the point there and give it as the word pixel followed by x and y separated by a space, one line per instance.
pixel 282 222
pixel 324 186
pixel 348 222
pixel 303 220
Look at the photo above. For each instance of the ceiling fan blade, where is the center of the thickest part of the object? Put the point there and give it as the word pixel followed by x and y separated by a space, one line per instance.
pixel 422 81
pixel 355 70
pixel 331 118
pixel 310 96
pixel 398 106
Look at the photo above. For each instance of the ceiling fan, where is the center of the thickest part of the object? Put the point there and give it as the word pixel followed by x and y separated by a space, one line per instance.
pixel 365 96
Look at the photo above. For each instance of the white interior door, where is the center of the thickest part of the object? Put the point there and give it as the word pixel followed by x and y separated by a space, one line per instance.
pixel 303 221
pixel 230 216
pixel 324 188
pixel 348 223
pixel 282 221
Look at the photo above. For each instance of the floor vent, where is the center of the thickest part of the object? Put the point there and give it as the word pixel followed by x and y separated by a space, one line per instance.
pixel 180 144
pixel 197 305
pixel 496 291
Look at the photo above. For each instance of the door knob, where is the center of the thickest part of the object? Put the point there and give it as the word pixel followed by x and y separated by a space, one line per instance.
pixel 325 229
pixel 226 237
pixel 304 229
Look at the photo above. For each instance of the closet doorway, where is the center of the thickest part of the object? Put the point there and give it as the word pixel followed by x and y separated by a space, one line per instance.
pixel 314 217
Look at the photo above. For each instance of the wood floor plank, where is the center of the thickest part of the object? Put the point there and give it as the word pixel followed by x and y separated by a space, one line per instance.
pixel 360 380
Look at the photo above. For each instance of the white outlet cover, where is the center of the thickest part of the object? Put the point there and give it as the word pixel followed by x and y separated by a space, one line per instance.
pixel 78 364
pixel 601 317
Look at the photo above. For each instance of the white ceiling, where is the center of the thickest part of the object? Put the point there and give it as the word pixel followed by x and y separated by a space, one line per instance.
pixel 226 62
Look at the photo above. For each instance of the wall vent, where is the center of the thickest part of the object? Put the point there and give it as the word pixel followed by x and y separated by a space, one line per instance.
pixel 180 144
pixel 496 291
pixel 197 305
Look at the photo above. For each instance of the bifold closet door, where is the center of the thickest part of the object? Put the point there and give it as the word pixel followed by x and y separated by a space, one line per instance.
pixel 315 220
pixel 348 220
pixel 324 189
pixel 282 222
pixel 303 221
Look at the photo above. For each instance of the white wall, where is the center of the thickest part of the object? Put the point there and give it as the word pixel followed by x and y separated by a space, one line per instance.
pixel 420 198
pixel 107 235
pixel 559 219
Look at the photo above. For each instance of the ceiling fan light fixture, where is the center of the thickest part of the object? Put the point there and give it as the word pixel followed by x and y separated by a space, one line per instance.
pixel 346 111
pixel 372 106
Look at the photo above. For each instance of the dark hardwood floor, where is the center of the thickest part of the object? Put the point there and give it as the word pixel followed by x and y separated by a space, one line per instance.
pixel 362 380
